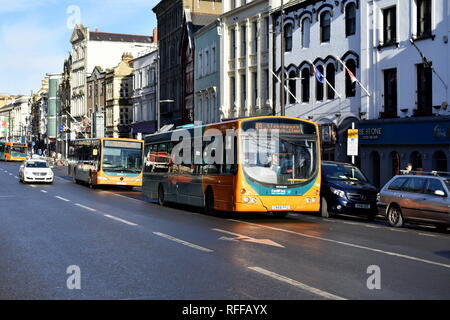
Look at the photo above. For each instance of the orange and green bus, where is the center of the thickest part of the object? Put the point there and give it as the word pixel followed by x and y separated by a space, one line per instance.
pixel 106 161
pixel 259 164
pixel 13 151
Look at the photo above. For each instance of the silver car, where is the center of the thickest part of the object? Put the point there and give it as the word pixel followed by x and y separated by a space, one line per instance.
pixel 416 198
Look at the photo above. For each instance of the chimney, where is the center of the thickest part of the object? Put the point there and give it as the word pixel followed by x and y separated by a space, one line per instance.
pixel 155 35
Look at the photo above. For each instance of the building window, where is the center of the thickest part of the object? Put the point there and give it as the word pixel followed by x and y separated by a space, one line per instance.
pixel 255 88
pixel 305 84
pixel 292 85
pixel 267 32
pixel 350 19
pixel 266 85
pixel 325 26
pixel 416 161
pixel 243 41
pixel 423 18
pixel 319 86
pixel 424 88
pixel 233 43
pixel 330 76
pixel 390 26
pixel 350 84
pixel 376 169
pixel 395 163
pixel 306 24
pixel 439 161
pixel 243 91
pixel 233 92
pixel 288 37
pixel 390 92
pixel 255 36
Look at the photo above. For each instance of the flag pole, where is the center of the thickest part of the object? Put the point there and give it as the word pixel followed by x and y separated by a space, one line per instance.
pixel 359 82
pixel 312 64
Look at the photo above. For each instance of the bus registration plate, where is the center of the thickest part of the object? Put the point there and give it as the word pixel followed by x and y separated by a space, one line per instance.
pixel 281 207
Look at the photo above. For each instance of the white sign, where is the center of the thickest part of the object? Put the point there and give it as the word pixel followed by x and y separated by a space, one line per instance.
pixel 352 142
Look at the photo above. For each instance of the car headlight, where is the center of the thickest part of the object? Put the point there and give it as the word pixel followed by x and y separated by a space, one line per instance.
pixel 338 192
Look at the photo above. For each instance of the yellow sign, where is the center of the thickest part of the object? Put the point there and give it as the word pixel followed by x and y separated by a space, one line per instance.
pixel 353 133
pixel 352 142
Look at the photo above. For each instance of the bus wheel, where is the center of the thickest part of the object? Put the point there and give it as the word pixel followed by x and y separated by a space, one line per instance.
pixel 324 208
pixel 280 214
pixel 209 202
pixel 161 200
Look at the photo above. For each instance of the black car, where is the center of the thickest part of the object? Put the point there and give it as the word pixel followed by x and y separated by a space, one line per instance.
pixel 345 189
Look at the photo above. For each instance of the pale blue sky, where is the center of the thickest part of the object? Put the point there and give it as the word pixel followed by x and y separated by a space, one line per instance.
pixel 34 34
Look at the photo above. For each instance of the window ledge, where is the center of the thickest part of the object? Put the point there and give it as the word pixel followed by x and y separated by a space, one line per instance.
pixel 387 45
pixel 424 36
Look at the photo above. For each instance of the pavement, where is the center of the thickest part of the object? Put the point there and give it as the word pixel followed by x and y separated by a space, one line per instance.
pixel 124 247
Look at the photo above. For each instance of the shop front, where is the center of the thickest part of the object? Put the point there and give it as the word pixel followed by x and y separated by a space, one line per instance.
pixel 386 146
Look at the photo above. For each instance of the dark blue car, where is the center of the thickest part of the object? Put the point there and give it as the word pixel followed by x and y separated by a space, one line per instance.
pixel 345 189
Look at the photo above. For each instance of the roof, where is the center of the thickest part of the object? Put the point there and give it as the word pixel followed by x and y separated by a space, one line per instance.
pixel 201 20
pixel 119 37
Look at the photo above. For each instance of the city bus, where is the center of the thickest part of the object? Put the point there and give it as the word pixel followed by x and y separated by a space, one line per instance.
pixel 260 164
pixel 106 161
pixel 13 151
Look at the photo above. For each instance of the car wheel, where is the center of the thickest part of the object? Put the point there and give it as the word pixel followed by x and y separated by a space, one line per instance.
pixel 395 217
pixel 161 200
pixel 324 208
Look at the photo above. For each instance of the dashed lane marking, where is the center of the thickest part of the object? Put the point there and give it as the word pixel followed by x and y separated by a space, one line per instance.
pixel 84 207
pixel 120 220
pixel 297 284
pixel 61 198
pixel 186 243
pixel 399 255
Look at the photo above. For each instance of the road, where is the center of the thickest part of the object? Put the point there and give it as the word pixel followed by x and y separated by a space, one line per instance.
pixel 128 248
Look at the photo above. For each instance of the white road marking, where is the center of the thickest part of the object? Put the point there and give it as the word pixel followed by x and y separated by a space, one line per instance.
pixel 43 191
pixel 61 198
pixel 239 237
pixel 33 186
pixel 427 235
pixel 129 198
pixel 121 220
pixel 16 177
pixel 371 226
pixel 84 207
pixel 296 283
pixel 349 244
pixel 397 230
pixel 188 244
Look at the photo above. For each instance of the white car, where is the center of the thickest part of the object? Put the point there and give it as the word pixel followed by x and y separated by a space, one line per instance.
pixel 35 170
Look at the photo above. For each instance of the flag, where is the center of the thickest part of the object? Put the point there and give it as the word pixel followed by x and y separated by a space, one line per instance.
pixel 352 76
pixel 319 75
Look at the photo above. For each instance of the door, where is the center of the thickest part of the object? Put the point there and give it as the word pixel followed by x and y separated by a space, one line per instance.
pixel 411 197
pixel 435 208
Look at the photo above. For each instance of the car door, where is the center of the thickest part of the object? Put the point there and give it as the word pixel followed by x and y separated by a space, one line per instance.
pixel 435 208
pixel 411 197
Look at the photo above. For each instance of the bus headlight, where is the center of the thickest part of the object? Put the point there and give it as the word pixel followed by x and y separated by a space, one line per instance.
pixel 138 180
pixel 102 178
pixel 250 200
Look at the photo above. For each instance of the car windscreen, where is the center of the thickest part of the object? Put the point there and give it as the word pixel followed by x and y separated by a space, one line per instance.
pixel 347 172
pixel 36 164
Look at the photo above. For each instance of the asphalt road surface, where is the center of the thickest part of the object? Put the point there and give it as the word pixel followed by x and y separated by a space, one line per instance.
pixel 65 241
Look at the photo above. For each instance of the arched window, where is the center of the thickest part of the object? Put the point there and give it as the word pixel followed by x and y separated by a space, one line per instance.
pixel 305 84
pixel 416 161
pixel 350 19
pixel 375 157
pixel 288 37
pixel 306 25
pixel 319 86
pixel 395 163
pixel 440 161
pixel 330 75
pixel 292 87
pixel 325 26
pixel 350 84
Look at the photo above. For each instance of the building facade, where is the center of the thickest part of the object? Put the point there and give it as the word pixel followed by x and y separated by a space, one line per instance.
pixel 144 96
pixel 96 101
pixel 53 111
pixel 406 65
pixel 118 106
pixel 244 64
pixel 207 74
pixel 171 15
pixel 91 49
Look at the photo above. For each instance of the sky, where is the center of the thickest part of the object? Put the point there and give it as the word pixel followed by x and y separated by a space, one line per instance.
pixel 35 34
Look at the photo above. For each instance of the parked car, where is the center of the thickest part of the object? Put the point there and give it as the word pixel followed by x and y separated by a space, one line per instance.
pixel 35 170
pixel 345 189
pixel 414 198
